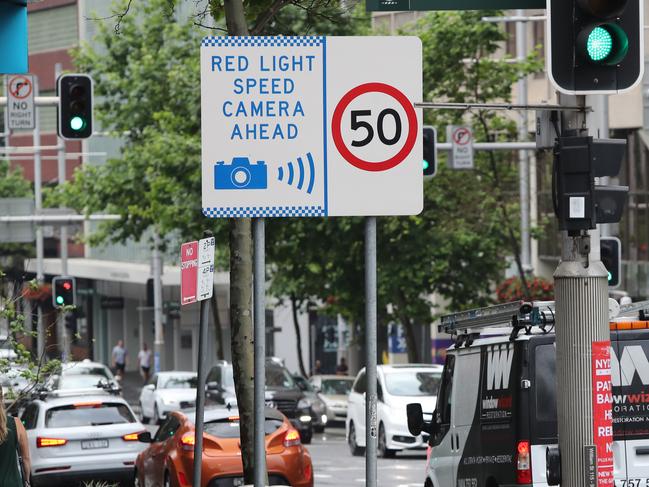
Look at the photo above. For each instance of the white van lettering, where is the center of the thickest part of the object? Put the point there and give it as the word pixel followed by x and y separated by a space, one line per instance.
pixel 633 360
pixel 499 365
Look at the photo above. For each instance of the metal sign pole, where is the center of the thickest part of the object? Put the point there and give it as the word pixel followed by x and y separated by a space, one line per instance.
pixel 259 306
pixel 371 429
pixel 38 198
pixel 200 392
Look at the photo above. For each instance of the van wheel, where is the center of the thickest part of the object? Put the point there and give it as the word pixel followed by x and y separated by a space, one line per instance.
pixel 351 441
pixel 145 419
pixel 382 448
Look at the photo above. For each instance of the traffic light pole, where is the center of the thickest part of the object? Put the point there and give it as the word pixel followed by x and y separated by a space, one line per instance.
pixel 158 341
pixel 581 293
pixel 597 122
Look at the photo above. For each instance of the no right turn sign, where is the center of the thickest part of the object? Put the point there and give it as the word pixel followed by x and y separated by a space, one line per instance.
pixel 20 102
pixel 461 139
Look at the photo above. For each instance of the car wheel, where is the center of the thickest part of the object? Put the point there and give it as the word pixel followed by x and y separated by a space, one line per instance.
pixel 351 441
pixel 319 429
pixel 156 415
pixel 306 436
pixel 145 419
pixel 382 449
pixel 136 479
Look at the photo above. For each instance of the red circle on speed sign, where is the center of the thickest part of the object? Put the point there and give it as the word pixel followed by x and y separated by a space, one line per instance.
pixel 336 124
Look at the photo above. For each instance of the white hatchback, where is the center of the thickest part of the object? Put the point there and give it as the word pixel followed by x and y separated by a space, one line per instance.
pixel 167 392
pixel 75 438
pixel 398 386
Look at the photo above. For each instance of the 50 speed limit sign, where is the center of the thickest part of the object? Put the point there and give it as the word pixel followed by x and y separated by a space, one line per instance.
pixel 311 126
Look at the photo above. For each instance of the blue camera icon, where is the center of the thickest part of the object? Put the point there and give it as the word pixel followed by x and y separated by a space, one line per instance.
pixel 240 174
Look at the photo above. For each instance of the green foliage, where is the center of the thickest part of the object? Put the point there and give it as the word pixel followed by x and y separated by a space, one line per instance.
pixel 14 185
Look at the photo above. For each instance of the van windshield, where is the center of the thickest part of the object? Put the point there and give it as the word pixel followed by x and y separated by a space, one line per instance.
pixel 410 383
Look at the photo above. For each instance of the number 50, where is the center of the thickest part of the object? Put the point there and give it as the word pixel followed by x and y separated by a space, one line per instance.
pixel 358 124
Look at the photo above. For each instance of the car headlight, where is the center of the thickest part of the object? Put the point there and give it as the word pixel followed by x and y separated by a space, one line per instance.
pixel 318 407
pixel 303 404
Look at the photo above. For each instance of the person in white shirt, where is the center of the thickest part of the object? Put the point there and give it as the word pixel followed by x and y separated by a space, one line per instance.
pixel 119 358
pixel 144 356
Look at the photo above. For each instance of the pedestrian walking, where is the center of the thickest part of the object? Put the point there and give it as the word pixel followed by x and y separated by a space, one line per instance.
pixel 119 358
pixel 15 466
pixel 144 357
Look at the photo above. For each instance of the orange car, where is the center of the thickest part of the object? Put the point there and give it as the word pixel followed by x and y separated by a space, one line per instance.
pixel 169 459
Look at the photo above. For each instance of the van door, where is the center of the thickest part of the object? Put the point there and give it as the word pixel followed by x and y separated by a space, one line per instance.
pixel 441 467
pixel 630 378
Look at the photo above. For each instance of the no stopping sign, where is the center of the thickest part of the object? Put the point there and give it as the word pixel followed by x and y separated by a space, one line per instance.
pixel 390 131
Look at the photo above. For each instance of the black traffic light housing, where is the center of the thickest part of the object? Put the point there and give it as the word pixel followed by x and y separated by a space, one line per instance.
pixel 611 257
pixel 595 46
pixel 75 106
pixel 580 204
pixel 430 152
pixel 63 291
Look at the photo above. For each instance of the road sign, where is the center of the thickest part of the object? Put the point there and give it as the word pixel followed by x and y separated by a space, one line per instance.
pixel 188 272
pixel 20 102
pixel 311 126
pixel 206 247
pixel 415 5
pixel 461 139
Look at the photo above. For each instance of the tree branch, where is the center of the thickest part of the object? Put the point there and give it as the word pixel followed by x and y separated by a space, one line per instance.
pixel 118 16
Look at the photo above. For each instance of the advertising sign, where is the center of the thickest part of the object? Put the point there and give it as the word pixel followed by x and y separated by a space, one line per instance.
pixel 311 126
pixel 602 412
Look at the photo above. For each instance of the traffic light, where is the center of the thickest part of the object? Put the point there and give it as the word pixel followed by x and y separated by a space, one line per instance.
pixel 430 153
pixel 13 36
pixel 75 106
pixel 579 203
pixel 596 46
pixel 611 256
pixel 63 291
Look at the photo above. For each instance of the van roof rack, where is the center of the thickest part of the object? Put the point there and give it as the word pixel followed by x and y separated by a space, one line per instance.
pixel 521 315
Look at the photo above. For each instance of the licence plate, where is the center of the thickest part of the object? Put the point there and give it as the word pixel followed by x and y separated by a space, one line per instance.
pixel 237 481
pixel 92 444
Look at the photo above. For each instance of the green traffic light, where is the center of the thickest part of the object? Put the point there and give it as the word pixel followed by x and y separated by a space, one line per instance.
pixel 600 44
pixel 610 276
pixel 426 164
pixel 59 300
pixel 77 123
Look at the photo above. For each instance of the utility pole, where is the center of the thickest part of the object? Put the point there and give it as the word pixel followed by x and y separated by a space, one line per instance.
pixel 156 270
pixel 38 206
pixel 523 157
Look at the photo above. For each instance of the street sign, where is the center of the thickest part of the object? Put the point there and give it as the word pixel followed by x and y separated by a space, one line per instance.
pixel 197 270
pixel 461 139
pixel 414 5
pixel 311 126
pixel 188 272
pixel 20 102
pixel 205 287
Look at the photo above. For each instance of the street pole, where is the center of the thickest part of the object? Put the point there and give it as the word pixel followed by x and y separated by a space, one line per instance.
pixel 581 292
pixel 38 206
pixel 158 344
pixel 63 230
pixel 523 159
pixel 259 307
pixel 200 388
pixel 371 426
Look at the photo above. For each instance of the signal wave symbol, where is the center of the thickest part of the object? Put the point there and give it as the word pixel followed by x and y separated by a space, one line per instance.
pixel 301 173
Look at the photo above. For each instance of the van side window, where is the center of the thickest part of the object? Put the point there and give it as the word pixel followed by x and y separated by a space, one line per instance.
pixel 359 385
pixel 446 391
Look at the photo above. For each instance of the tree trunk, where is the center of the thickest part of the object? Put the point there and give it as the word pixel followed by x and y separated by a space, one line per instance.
pixel 411 341
pixel 298 336
pixel 242 342
pixel 217 327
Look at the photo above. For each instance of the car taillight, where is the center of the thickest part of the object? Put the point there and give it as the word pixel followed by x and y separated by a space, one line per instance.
pixel 292 438
pixel 187 441
pixel 308 471
pixel 131 436
pixel 429 450
pixel 182 478
pixel 45 442
pixel 523 463
pixel 93 404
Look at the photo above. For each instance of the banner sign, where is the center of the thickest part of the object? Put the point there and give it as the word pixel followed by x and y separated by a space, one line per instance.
pixel 602 412
pixel 413 5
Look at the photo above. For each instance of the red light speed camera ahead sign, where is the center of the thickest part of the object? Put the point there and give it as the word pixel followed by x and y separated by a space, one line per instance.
pixel 311 126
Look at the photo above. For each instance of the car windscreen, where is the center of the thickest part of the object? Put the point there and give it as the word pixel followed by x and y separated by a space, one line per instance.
pixel 336 387
pixel 178 382
pixel 80 381
pixel 413 383
pixel 83 370
pixel 88 414
pixel 277 376
pixel 229 427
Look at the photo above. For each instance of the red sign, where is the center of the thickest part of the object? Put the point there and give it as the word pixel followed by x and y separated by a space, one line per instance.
pixel 602 412
pixel 462 136
pixel 188 272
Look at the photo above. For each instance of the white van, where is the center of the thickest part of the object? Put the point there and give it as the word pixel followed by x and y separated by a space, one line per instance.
pixel 497 409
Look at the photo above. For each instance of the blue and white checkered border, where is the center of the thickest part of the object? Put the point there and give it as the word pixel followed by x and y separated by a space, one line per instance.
pixel 263 211
pixel 261 41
